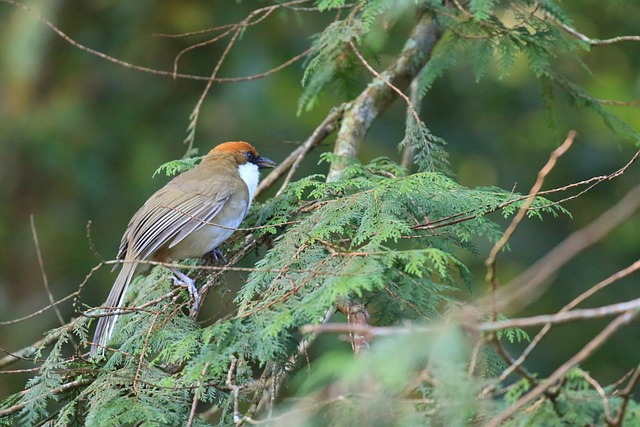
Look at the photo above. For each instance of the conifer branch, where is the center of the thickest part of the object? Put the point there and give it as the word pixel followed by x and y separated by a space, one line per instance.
pixel 381 92
pixel 29 351
pixel 63 388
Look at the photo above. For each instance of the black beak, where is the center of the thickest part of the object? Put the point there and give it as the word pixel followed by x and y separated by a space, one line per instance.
pixel 264 163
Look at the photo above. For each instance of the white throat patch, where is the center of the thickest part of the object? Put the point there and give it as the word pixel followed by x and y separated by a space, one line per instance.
pixel 250 174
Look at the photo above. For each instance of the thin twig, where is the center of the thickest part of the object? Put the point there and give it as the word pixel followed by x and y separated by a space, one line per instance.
pixel 228 28
pixel 224 227
pixel 193 118
pixel 589 40
pixel 253 18
pixel 228 267
pixel 522 290
pixel 469 215
pixel 372 70
pixel 559 373
pixel 378 95
pixel 504 354
pixel 217 38
pixel 45 281
pixel 196 396
pixel 28 351
pixel 500 244
pixel 38 312
pixel 563 317
pixel 129 65
pixel 626 395
pixel 574 303
pixel 116 311
pixel 591 182
pixel 235 389
pixel 598 388
pixel 142 353
pixel 294 159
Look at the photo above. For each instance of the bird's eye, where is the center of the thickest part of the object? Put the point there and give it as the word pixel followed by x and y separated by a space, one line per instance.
pixel 250 156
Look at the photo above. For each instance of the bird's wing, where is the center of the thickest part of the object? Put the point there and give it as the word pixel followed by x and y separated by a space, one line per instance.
pixel 169 216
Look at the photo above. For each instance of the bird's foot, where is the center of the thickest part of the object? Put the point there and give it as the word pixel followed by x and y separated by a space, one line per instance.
pixel 216 256
pixel 181 279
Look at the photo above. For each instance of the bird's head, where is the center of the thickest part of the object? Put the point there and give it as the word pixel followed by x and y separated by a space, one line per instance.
pixel 243 153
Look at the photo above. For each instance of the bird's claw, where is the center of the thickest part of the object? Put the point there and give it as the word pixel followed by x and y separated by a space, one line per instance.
pixel 181 279
pixel 216 256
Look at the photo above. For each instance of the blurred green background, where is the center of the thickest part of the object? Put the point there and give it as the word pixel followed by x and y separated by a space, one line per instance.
pixel 80 138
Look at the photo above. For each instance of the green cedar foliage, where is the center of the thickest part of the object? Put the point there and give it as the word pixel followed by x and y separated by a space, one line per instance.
pixel 363 236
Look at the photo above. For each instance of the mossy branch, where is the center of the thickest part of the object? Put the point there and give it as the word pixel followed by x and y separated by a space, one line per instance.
pixel 360 113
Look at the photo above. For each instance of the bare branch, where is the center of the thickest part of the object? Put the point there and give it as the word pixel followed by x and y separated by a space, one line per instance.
pixel 603 394
pixel 522 290
pixel 172 74
pixel 626 395
pixel 45 281
pixel 195 114
pixel 562 317
pixel 38 312
pixel 559 373
pixel 492 258
pixel 574 303
pixel 593 42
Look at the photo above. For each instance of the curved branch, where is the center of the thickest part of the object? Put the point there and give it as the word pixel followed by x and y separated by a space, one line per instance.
pixel 382 91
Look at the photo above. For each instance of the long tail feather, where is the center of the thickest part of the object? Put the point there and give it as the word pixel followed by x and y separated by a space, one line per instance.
pixel 115 300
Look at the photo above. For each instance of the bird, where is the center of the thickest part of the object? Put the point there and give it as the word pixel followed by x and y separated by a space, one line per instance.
pixel 192 215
